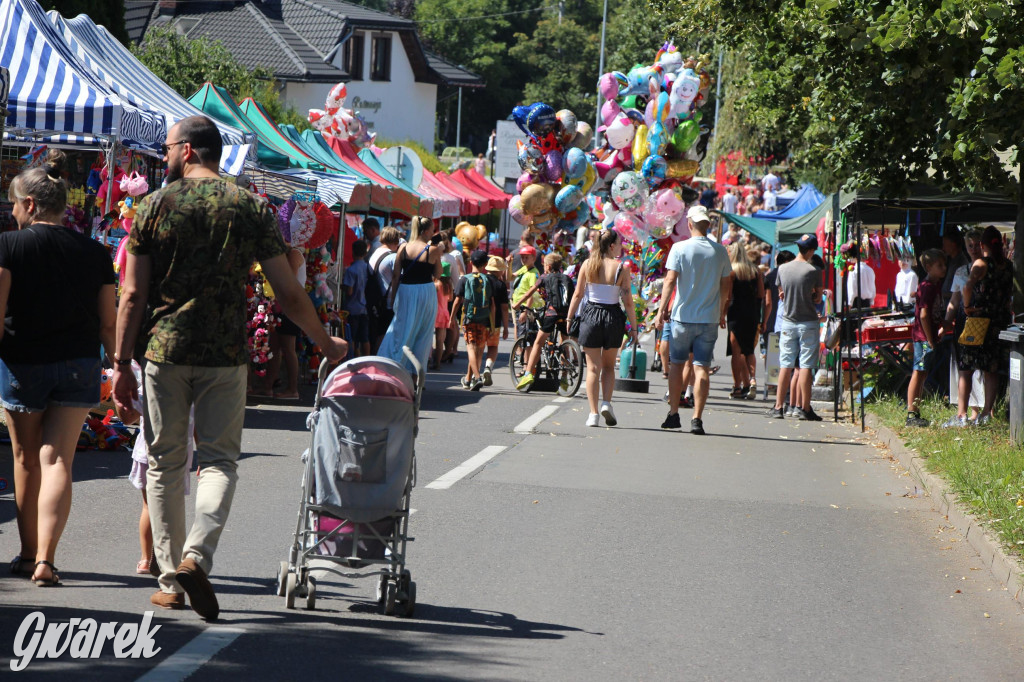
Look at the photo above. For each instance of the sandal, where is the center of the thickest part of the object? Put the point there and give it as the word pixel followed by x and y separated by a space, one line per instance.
pixel 21 566
pixel 142 568
pixel 52 581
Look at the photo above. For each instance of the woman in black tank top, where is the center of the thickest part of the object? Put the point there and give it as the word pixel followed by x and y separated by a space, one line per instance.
pixel 414 295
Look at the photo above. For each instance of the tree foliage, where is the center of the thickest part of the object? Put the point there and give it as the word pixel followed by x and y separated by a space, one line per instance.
pixel 185 64
pixel 108 13
pixel 560 59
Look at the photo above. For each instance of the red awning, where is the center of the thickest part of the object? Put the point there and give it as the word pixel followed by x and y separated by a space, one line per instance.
pixel 483 186
pixel 467 188
pixel 472 203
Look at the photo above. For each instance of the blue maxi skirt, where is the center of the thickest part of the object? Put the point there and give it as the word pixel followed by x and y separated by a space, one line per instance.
pixel 413 324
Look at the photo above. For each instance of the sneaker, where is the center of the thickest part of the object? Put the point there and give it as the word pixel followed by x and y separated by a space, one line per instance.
pixel 477 385
pixel 791 412
pixel 594 419
pixel 465 383
pixel 168 600
pixel 672 421
pixel 665 397
pixel 696 427
pixel 956 422
pixel 810 415
pixel 983 420
pixel 915 419
pixel 193 580
pixel 487 376
pixel 737 392
pixel 609 416
pixel 686 403
pixel 525 382
pixel 775 413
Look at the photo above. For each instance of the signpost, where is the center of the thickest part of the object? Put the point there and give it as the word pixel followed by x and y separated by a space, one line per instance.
pixel 506 156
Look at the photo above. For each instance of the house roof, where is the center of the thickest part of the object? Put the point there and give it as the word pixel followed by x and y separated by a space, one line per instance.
pixel 295 39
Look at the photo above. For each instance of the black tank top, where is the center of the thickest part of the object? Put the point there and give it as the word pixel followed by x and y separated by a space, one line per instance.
pixel 417 271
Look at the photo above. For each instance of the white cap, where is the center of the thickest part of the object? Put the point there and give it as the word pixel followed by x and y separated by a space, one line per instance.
pixel 698 214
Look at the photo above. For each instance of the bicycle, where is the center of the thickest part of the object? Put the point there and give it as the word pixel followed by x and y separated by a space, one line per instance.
pixel 560 360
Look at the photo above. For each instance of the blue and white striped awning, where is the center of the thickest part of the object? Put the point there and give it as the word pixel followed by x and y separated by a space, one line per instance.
pixel 278 185
pixel 51 90
pixel 232 159
pixel 333 188
pixel 116 66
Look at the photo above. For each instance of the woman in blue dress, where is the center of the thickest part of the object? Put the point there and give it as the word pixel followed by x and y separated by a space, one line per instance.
pixel 417 265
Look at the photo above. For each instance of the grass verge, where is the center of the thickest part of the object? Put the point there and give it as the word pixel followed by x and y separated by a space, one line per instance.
pixel 980 464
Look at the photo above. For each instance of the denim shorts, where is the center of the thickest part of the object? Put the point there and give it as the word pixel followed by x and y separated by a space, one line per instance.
pixel 696 338
pixel 798 339
pixel 924 356
pixel 65 383
pixel 666 331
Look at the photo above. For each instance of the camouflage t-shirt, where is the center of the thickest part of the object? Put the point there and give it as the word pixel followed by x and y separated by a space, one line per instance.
pixel 202 235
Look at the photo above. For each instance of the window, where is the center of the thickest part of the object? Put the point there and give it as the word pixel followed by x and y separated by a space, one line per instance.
pixel 380 59
pixel 353 59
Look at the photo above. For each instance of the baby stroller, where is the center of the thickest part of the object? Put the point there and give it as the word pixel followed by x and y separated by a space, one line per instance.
pixel 359 471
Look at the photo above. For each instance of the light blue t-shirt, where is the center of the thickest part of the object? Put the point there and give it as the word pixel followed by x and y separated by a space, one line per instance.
pixel 701 264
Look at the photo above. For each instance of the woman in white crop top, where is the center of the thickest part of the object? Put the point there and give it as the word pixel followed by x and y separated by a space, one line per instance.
pixel 606 284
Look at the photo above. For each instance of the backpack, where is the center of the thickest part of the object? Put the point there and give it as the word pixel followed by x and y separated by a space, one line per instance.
pixel 476 299
pixel 376 297
pixel 558 293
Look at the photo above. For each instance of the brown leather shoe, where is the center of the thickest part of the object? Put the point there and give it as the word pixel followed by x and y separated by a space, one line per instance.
pixel 193 580
pixel 168 600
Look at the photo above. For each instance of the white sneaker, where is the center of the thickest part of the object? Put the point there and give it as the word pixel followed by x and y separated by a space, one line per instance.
pixel 594 420
pixel 487 376
pixel 609 416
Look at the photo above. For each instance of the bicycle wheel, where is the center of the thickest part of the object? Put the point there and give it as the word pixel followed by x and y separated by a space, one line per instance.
pixel 570 359
pixel 517 360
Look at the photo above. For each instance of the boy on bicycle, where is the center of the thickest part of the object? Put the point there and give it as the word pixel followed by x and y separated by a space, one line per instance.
pixel 525 280
pixel 558 291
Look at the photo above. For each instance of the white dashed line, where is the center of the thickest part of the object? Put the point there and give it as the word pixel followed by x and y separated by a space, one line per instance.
pixel 194 655
pixel 466 468
pixel 562 400
pixel 534 420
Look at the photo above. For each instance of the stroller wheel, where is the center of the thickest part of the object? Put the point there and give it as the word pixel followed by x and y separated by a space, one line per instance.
pixel 282 577
pixel 311 594
pixel 382 586
pixel 291 587
pixel 410 601
pixel 390 596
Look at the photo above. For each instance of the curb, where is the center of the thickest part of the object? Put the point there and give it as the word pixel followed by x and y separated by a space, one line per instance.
pixel 1006 570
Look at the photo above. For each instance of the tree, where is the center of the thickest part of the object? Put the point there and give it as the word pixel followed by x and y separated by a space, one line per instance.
pixel 107 13
pixel 561 59
pixel 185 64
pixel 632 38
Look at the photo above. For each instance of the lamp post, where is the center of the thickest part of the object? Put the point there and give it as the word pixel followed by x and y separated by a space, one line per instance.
pixel 600 72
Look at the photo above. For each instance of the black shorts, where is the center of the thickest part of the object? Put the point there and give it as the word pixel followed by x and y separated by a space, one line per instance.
pixel 549 322
pixel 288 328
pixel 360 328
pixel 602 326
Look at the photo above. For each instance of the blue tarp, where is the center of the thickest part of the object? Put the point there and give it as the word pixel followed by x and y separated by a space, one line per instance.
pixel 806 200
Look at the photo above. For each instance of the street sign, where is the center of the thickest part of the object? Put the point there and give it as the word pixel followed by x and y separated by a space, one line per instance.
pixel 404 164
pixel 506 157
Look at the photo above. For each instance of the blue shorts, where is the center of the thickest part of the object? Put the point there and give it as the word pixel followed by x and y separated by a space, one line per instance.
pixel 65 383
pixel 798 339
pixel 696 338
pixel 666 331
pixel 924 356
pixel 359 325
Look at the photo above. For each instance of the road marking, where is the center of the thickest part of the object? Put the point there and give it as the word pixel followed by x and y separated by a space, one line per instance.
pixel 562 400
pixel 466 468
pixel 534 420
pixel 194 655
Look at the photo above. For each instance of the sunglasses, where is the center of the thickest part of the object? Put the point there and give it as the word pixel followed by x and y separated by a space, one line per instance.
pixel 164 148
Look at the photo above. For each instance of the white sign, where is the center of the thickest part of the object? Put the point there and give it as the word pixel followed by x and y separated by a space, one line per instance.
pixel 506 157
pixel 1014 368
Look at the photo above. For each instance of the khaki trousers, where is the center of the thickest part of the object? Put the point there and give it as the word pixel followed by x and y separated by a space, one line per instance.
pixel 218 394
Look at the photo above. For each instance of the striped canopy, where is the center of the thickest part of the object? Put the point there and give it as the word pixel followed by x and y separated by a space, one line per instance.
pixel 116 66
pixel 53 92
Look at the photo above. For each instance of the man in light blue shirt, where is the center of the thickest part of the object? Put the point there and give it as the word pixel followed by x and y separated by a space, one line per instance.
pixel 699 273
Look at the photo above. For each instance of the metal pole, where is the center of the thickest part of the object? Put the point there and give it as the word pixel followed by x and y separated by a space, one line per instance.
pixel 458 132
pixel 600 72
pixel 718 105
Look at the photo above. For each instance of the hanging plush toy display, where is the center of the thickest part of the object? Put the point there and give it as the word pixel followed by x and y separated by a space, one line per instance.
pixel 335 120
pixel 261 320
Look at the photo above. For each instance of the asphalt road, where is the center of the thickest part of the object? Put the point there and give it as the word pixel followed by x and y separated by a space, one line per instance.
pixel 768 550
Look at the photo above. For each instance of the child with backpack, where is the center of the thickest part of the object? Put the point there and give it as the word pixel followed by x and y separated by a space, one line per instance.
pixel 558 292
pixel 474 308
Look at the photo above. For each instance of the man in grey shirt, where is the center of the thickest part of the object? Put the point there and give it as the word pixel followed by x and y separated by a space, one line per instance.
pixel 799 292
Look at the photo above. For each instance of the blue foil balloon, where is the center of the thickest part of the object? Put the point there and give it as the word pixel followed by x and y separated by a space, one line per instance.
pixel 654 170
pixel 568 199
pixel 574 163
pixel 519 115
pixel 541 119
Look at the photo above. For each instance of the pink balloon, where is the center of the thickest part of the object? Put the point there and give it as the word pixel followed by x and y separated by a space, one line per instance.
pixel 608 86
pixel 681 231
pixel 630 226
pixel 524 181
pixel 515 210
pixel 650 112
pixel 609 110
pixel 122 257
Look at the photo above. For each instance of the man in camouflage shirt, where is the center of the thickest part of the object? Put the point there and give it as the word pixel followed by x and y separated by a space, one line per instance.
pixel 183 308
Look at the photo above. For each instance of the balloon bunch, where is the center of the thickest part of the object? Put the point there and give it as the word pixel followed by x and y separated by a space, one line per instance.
pixel 651 119
pixel 335 120
pixel 639 215
pixel 557 174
